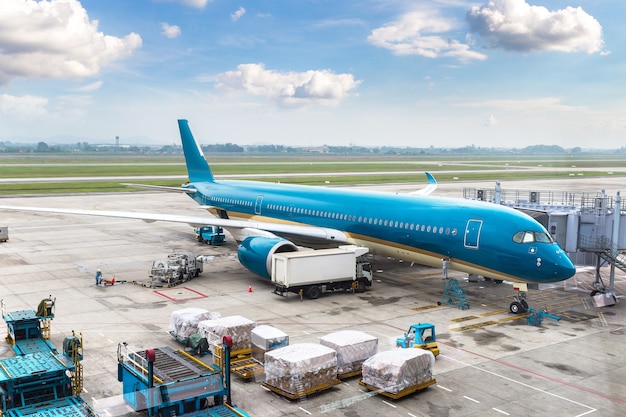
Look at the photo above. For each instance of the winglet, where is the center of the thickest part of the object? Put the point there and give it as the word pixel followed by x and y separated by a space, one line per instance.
pixel 432 185
pixel 197 166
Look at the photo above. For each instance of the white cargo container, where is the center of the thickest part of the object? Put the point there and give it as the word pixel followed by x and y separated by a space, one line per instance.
pixel 315 271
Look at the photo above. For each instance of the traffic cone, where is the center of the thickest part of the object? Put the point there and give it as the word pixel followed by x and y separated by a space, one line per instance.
pixel 249 287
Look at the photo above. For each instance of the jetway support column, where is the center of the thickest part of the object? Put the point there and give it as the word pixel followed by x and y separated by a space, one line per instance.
pixel 606 295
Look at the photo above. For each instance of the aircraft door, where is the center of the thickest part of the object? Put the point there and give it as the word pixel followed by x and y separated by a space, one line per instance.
pixel 472 233
pixel 257 205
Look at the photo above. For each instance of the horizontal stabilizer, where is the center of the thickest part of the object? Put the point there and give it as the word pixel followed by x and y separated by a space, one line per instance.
pixel 432 186
pixel 162 188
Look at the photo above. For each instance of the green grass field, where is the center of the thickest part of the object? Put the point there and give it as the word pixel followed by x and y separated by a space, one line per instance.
pixel 85 174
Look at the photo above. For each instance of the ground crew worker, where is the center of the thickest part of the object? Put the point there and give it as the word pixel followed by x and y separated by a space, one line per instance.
pixel 98 277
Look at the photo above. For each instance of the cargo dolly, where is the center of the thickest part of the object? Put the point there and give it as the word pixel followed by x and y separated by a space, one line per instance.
pixel 400 394
pixel 302 393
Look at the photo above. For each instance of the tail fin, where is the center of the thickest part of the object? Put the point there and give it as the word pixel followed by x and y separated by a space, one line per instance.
pixel 197 166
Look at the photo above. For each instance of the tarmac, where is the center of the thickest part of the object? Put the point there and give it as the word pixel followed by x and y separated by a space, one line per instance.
pixel 492 363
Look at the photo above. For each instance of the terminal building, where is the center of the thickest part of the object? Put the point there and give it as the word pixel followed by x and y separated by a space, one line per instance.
pixel 591 228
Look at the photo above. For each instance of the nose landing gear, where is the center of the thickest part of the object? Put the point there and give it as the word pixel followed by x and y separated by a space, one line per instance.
pixel 519 304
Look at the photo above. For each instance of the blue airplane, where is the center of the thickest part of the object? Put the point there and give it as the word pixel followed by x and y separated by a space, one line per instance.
pixel 470 236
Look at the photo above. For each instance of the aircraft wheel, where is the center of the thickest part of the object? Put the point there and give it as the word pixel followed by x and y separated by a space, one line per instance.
pixel 516 308
pixel 594 292
pixel 524 305
pixel 313 292
pixel 498 281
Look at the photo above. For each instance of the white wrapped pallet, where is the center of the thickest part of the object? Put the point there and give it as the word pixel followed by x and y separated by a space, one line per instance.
pixel 353 348
pixel 395 370
pixel 238 327
pixel 265 338
pixel 184 322
pixel 301 368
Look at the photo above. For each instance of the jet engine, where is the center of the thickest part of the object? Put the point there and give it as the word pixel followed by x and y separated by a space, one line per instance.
pixel 255 253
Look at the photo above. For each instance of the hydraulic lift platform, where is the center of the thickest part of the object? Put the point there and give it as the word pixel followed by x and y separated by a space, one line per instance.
pixel 167 382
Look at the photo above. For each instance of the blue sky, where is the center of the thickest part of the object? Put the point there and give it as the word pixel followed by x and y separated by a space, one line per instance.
pixel 451 73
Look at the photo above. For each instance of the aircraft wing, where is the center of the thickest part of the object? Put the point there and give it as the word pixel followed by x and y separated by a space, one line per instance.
pixel 313 232
pixel 432 186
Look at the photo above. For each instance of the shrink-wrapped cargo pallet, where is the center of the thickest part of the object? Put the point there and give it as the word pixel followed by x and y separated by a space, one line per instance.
pixel 184 322
pixel 396 370
pixel 265 338
pixel 301 369
pixel 353 348
pixel 238 327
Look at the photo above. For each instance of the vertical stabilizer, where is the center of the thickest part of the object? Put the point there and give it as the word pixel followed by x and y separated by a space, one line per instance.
pixel 197 166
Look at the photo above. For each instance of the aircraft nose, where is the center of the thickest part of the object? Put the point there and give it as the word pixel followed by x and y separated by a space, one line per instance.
pixel 564 267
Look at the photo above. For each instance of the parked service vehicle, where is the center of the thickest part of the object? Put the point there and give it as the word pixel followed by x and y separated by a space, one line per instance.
pixel 213 235
pixel 177 268
pixel 311 272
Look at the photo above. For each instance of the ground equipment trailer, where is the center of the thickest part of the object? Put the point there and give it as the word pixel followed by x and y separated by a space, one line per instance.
pixel 311 272
pixel 421 335
pixel 167 382
pixel 176 269
pixel 40 381
pixel 213 235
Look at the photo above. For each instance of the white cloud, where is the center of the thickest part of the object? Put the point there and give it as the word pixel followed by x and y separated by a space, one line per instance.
pixel 541 104
pixel 200 4
pixel 170 31
pixel 24 106
pixel 90 87
pixel 422 33
pixel 287 88
pixel 491 121
pixel 55 39
pixel 237 14
pixel 517 26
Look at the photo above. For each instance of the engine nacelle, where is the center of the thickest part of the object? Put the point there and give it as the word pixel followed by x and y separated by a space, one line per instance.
pixel 255 253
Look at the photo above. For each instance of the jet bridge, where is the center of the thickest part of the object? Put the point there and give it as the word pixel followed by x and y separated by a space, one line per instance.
pixel 591 228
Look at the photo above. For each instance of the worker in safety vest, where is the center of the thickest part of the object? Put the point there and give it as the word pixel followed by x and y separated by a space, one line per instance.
pixel 98 277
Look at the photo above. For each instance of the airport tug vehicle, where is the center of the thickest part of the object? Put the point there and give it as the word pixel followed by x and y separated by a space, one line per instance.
pixel 421 335
pixel 213 235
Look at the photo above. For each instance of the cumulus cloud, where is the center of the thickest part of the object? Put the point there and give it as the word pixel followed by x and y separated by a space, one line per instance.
pixel 24 106
pixel 287 88
pixel 422 33
pixel 170 31
pixel 515 25
pixel 55 39
pixel 236 15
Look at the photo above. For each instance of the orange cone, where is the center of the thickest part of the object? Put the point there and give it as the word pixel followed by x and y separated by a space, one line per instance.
pixel 249 287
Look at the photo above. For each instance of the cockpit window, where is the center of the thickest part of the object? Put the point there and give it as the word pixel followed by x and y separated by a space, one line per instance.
pixel 530 237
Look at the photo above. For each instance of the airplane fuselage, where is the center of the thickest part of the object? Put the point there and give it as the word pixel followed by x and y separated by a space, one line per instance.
pixel 476 237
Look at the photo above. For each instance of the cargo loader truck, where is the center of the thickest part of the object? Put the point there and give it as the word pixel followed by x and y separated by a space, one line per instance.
pixel 310 273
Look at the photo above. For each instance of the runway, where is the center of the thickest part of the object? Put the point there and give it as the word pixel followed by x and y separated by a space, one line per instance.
pixel 492 363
